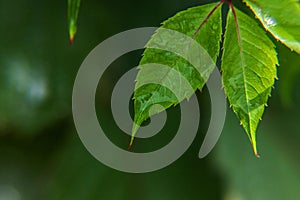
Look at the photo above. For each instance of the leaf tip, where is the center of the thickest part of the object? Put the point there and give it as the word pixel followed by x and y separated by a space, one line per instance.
pixel 134 130
pixel 131 143
pixel 71 39
pixel 72 31
pixel 255 150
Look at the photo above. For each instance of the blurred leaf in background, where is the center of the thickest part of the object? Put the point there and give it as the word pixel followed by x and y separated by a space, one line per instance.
pixel 289 72
pixel 73 10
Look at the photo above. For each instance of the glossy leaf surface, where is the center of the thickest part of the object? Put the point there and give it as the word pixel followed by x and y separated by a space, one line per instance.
pixel 281 18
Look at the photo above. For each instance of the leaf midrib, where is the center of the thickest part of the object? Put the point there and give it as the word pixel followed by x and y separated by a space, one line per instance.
pixel 243 70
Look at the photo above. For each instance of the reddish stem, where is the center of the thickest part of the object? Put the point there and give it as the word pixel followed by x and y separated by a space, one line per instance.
pixel 207 17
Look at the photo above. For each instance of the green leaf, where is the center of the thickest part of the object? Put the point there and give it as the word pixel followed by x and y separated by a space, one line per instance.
pixel 203 24
pixel 73 10
pixel 249 69
pixel 281 18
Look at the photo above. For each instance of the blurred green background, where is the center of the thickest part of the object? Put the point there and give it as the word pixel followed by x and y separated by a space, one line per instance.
pixel 42 157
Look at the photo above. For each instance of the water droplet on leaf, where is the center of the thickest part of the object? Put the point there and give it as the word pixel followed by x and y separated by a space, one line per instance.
pixel 269 21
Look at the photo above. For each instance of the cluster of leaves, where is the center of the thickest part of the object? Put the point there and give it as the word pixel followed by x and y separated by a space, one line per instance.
pixel 249 58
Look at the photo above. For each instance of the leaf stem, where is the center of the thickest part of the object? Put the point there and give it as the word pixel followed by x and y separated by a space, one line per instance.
pixel 207 17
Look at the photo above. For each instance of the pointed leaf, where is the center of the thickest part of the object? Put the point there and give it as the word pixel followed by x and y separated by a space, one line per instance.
pixel 249 69
pixel 181 66
pixel 73 10
pixel 281 18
